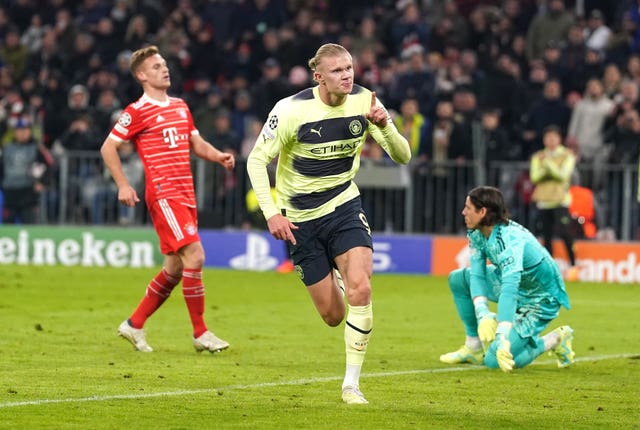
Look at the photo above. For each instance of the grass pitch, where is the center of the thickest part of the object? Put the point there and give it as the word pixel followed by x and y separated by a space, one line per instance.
pixel 63 367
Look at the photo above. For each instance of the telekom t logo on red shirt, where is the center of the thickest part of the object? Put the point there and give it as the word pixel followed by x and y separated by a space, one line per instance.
pixel 170 135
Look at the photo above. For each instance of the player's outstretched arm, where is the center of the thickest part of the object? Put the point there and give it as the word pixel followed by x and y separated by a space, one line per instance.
pixel 109 151
pixel 207 151
pixel 386 133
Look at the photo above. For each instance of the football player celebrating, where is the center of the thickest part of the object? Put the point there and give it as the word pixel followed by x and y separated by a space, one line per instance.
pixel 318 135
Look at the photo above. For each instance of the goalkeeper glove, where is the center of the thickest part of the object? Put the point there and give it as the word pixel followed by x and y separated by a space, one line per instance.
pixel 503 351
pixel 487 322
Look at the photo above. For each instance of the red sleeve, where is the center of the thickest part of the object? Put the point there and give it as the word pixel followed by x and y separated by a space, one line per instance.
pixel 129 124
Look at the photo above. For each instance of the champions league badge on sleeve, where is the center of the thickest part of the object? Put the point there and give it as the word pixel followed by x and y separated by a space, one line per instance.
pixel 273 122
pixel 125 119
pixel 270 127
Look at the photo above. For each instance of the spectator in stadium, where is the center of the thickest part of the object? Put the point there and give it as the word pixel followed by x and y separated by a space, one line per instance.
pixel 225 190
pixel 106 104
pixel 612 80
pixel 55 101
pixel 552 24
pixel 78 105
pixel 318 209
pixel 413 80
pixel 204 117
pixel 494 139
pixel 225 137
pixel 13 54
pixel 162 129
pixel 107 41
pixel 550 109
pixel 32 36
pixel 598 33
pixel 48 57
pixel 269 46
pixel 203 58
pixel 200 87
pixel 127 86
pixel 575 48
pixel 551 170
pixel 367 36
pixel 624 40
pixel 524 281
pixel 89 13
pixel 465 106
pixel 408 28
pixel 503 84
pixel 586 127
pixel 101 79
pixel 553 61
pixel 627 98
pixel 242 112
pixel 81 135
pixel 75 65
pixel 136 35
pixel 591 67
pixel 271 87
pixel 438 152
pixel 413 125
pixel 624 136
pixel 25 171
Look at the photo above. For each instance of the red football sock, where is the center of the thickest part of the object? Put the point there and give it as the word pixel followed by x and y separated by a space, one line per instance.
pixel 193 291
pixel 157 292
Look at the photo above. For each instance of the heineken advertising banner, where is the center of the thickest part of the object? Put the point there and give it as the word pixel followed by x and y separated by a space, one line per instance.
pixel 138 247
pixel 78 246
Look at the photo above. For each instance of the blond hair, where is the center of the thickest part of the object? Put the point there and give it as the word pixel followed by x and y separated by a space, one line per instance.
pixel 327 50
pixel 138 57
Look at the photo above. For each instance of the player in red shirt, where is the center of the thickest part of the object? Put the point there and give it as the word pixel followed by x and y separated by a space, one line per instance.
pixel 164 134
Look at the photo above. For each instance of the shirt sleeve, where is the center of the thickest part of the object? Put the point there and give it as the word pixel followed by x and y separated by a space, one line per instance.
pixel 267 147
pixel 510 261
pixel 478 269
pixel 127 126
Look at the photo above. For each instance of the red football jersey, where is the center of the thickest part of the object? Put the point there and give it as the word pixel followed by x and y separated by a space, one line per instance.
pixel 161 132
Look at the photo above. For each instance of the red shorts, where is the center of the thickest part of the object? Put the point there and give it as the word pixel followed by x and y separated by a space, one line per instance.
pixel 175 224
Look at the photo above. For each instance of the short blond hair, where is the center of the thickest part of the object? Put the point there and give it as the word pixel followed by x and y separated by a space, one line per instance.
pixel 327 50
pixel 138 57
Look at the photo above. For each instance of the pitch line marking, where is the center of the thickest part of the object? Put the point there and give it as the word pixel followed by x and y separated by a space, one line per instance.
pixel 284 383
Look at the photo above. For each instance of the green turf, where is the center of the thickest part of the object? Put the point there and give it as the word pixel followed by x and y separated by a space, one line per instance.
pixel 62 366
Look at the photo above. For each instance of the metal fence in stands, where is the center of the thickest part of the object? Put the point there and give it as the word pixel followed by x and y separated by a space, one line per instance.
pixel 418 198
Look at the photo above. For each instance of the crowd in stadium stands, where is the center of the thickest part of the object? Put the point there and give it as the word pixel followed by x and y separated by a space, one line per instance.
pixel 515 66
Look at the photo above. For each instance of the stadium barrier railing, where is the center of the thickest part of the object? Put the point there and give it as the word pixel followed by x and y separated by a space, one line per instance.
pixel 422 197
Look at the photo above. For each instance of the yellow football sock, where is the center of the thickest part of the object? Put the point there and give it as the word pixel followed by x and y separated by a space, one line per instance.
pixel 357 332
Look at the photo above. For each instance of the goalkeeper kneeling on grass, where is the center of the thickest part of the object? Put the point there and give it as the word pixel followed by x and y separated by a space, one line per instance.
pixel 522 278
